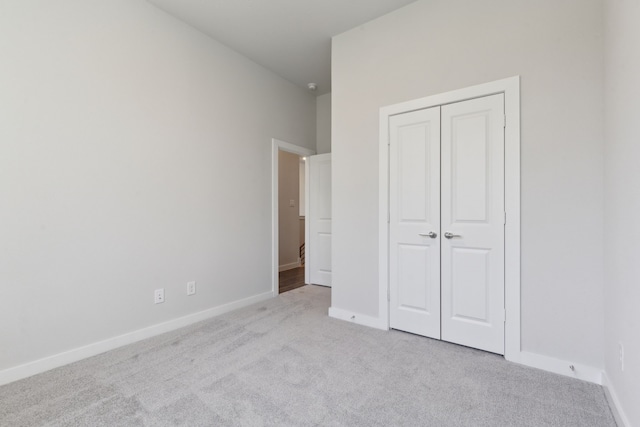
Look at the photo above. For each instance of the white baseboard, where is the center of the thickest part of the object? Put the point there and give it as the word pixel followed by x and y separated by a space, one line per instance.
pixel 614 403
pixel 562 367
pixel 360 319
pixel 290 266
pixel 36 367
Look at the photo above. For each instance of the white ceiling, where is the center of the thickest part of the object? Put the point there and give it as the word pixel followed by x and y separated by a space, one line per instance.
pixel 290 37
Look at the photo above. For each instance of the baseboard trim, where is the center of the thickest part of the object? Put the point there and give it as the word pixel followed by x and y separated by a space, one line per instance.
pixel 614 403
pixel 45 364
pixel 360 319
pixel 562 367
pixel 290 266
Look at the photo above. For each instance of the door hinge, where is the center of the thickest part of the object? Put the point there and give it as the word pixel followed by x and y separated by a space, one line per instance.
pixel 504 121
pixel 388 294
pixel 504 315
pixel 504 221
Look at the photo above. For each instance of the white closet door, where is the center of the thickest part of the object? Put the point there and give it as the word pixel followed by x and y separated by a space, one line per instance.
pixel 473 212
pixel 414 222
pixel 319 216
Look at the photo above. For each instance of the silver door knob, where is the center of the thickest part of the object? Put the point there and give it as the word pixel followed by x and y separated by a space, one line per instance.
pixel 429 234
pixel 450 235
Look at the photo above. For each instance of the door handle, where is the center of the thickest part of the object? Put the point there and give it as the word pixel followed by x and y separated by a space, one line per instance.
pixel 429 234
pixel 450 235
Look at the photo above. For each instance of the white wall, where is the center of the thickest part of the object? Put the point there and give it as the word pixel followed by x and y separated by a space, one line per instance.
pixel 434 46
pixel 135 154
pixel 323 124
pixel 622 204
pixel 289 216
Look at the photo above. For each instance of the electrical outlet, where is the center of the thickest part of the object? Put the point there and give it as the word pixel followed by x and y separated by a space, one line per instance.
pixel 621 349
pixel 158 296
pixel 191 288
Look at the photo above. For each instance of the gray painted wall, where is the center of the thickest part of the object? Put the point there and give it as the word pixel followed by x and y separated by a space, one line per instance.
pixel 622 204
pixel 434 46
pixel 323 124
pixel 135 154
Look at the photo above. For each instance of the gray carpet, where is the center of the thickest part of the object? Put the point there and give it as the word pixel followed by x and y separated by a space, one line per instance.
pixel 285 363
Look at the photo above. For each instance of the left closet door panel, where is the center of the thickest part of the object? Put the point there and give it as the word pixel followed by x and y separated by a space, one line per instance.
pixel 414 222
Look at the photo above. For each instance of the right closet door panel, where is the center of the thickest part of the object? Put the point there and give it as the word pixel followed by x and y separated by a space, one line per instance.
pixel 472 223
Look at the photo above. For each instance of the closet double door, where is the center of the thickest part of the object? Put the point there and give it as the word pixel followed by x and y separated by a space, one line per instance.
pixel 446 222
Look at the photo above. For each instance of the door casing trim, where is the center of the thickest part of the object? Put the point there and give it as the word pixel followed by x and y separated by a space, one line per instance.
pixel 510 87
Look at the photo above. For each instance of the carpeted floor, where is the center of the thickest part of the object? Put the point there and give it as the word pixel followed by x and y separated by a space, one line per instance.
pixel 284 362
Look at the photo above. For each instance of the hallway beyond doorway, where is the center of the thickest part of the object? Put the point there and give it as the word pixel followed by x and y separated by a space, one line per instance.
pixel 291 279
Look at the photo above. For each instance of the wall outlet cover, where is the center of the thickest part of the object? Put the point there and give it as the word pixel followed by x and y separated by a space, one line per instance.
pixel 158 296
pixel 621 349
pixel 191 288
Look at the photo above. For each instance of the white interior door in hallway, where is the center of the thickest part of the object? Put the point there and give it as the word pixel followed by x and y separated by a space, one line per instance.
pixel 319 217
pixel 446 222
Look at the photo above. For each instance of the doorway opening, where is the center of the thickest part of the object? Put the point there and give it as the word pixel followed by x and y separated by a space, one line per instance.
pixel 291 221
pixel 289 228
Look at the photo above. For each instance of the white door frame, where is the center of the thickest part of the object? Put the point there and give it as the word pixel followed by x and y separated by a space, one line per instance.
pixel 511 89
pixel 277 145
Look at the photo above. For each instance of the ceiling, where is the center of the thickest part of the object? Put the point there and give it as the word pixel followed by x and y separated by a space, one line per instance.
pixel 290 37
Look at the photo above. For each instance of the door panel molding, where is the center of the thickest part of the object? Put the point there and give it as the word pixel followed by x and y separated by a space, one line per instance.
pixel 510 87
